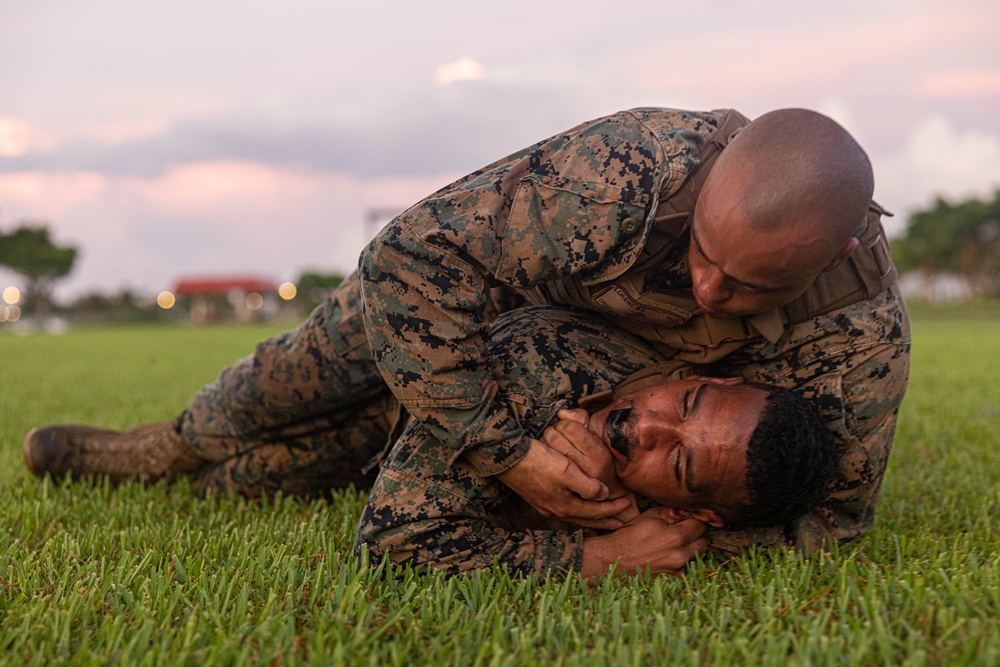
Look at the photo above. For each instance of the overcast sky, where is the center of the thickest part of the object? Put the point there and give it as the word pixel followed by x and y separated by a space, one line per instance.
pixel 191 138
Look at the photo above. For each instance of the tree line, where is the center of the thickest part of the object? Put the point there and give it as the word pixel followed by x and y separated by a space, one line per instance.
pixel 962 238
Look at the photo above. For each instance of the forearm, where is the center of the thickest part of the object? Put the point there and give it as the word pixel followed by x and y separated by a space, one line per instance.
pixel 427 316
pixel 424 524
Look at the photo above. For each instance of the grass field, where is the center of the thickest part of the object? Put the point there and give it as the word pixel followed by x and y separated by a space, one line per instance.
pixel 92 575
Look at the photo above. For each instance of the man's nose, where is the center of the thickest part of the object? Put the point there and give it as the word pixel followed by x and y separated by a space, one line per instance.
pixel 712 287
pixel 656 428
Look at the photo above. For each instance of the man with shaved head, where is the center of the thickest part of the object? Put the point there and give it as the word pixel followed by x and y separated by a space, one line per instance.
pixel 743 249
pixel 770 209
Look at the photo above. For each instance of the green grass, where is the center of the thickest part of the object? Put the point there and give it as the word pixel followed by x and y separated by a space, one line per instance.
pixel 134 575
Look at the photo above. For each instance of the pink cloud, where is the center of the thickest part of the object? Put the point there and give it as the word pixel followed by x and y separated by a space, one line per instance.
pixel 48 195
pixel 201 186
pixel 18 137
pixel 961 83
pixel 756 61
pixel 206 217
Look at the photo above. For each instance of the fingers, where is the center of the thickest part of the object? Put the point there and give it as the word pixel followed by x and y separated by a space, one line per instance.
pixel 555 439
pixel 580 483
pixel 579 435
pixel 575 441
pixel 676 560
pixel 612 523
pixel 689 529
pixel 578 415
pixel 679 543
pixel 686 542
pixel 557 487
pixel 686 529
pixel 605 515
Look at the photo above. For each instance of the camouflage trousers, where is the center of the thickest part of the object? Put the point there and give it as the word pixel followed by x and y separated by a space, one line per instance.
pixel 303 414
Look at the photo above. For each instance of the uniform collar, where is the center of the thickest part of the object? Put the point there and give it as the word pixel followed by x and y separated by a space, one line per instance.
pixel 770 325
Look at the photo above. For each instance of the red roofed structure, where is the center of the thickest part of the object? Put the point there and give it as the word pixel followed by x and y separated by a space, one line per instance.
pixel 243 298
pixel 223 286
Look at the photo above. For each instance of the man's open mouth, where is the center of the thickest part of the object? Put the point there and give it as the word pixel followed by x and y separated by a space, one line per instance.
pixel 613 425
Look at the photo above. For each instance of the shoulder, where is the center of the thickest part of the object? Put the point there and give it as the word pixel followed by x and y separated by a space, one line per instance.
pixel 681 134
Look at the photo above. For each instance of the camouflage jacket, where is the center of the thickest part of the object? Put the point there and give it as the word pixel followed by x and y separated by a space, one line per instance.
pixel 596 218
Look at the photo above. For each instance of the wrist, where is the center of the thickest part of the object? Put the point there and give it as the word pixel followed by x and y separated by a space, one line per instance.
pixel 600 558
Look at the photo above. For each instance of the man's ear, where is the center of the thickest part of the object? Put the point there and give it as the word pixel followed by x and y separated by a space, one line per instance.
pixel 706 516
pixel 842 256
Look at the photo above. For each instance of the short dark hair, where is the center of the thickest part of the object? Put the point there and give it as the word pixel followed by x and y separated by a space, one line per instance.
pixel 792 460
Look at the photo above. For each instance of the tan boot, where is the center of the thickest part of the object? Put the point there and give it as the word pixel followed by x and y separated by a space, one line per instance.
pixel 149 452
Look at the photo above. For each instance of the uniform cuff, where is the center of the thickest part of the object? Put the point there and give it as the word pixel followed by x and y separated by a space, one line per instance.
pixel 494 458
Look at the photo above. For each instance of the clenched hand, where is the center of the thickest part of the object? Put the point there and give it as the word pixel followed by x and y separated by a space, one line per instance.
pixel 652 542
pixel 556 486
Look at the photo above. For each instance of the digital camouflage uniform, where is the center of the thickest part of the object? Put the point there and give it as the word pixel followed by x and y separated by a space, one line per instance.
pixel 596 219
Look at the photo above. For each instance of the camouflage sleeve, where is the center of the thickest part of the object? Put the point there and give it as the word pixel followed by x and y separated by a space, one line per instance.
pixel 425 513
pixel 575 203
pixel 854 365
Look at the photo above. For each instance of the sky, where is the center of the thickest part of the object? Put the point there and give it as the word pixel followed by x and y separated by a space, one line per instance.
pixel 220 137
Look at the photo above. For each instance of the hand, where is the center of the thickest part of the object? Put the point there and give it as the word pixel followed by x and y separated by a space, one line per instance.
pixel 557 487
pixel 572 437
pixel 652 542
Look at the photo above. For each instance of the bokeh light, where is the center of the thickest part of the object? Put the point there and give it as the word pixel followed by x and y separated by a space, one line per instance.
pixel 11 295
pixel 254 301
pixel 166 299
pixel 287 291
pixel 10 314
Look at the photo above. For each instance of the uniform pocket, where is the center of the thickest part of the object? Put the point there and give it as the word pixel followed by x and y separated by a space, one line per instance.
pixel 557 227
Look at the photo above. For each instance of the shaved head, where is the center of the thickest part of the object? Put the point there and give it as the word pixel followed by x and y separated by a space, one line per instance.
pixel 795 165
pixel 783 202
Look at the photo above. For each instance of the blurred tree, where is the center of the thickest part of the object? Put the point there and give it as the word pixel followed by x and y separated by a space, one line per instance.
pixel 29 250
pixel 961 238
pixel 124 306
pixel 313 287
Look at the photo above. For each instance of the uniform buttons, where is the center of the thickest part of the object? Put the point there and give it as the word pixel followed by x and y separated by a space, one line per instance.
pixel 630 225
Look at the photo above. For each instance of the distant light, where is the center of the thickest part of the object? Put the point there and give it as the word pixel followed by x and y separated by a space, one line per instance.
pixel 254 301
pixel 165 299
pixel 287 291
pixel 11 295
pixel 10 314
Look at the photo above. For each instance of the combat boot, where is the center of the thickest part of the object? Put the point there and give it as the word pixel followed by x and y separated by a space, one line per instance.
pixel 149 452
